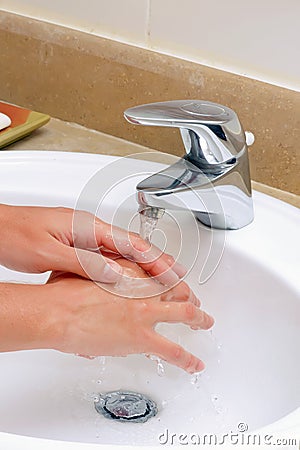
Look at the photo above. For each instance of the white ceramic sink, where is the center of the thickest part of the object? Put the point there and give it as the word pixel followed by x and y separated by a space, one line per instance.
pixel 249 281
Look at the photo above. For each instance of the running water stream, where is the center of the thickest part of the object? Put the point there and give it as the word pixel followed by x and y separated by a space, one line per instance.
pixel 147 225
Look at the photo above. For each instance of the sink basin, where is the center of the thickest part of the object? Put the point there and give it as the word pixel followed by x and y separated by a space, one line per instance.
pixel 247 279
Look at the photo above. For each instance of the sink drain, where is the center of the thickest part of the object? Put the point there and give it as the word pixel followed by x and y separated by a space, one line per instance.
pixel 126 406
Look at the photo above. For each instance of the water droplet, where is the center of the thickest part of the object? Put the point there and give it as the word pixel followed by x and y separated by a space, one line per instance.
pixel 102 360
pixel 216 404
pixel 195 379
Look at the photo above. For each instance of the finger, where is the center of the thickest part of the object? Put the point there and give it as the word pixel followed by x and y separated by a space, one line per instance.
pixel 181 292
pixel 186 312
pixel 108 254
pixel 86 264
pixel 178 268
pixel 91 232
pixel 175 354
pixel 132 246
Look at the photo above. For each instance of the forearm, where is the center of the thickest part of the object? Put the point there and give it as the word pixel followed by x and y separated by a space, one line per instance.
pixel 5 212
pixel 7 233
pixel 3 209
pixel 26 320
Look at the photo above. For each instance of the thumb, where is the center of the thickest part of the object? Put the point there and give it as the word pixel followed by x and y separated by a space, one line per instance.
pixel 87 264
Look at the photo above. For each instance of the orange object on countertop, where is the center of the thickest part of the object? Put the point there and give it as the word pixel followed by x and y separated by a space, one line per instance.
pixel 23 122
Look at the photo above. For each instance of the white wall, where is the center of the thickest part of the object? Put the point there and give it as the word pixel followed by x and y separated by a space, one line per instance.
pixel 255 38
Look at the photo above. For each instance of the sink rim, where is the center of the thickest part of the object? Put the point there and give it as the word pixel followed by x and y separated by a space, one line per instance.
pixel 278 210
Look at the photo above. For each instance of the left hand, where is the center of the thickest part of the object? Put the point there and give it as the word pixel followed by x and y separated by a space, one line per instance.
pixel 88 320
pixel 39 239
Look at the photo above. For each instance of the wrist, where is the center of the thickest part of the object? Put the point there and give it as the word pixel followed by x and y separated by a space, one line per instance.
pixel 29 319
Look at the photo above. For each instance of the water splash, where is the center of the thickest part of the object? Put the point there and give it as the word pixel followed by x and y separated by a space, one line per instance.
pixel 196 379
pixel 102 361
pixel 215 340
pixel 159 363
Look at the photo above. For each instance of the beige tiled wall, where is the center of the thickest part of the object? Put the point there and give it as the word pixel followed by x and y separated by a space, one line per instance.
pixel 122 19
pixel 255 38
pixel 89 80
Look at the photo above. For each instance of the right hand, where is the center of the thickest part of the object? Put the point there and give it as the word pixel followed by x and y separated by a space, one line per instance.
pixel 95 322
pixel 37 239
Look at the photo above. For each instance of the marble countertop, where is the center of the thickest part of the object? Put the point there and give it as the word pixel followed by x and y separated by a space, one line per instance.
pixel 65 136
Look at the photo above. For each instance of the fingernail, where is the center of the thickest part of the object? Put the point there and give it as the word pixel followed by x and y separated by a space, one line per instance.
pixel 179 269
pixel 211 322
pixel 212 319
pixel 112 272
pixel 200 367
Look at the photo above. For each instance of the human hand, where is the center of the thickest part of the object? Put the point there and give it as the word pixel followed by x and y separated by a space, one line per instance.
pixel 93 321
pixel 37 239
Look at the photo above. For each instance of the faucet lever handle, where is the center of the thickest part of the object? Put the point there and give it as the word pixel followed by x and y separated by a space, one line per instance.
pixel 212 133
pixel 178 113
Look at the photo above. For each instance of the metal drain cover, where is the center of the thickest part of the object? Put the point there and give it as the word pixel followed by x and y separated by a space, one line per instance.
pixel 126 406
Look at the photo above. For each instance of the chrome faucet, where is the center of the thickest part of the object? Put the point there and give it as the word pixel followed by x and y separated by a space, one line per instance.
pixel 213 178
